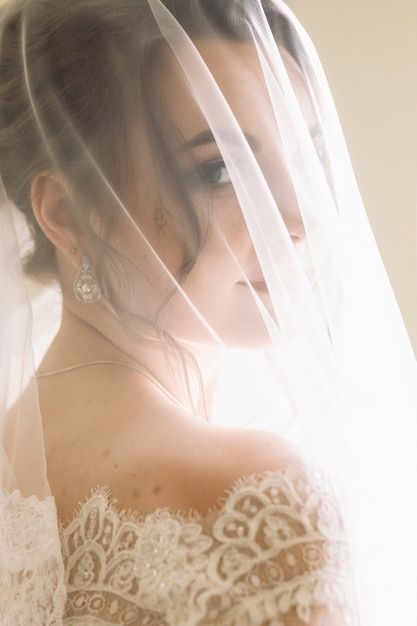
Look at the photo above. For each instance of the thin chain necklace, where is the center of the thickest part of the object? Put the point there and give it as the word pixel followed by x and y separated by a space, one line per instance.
pixel 133 367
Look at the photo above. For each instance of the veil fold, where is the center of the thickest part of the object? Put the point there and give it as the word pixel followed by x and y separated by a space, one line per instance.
pixel 275 266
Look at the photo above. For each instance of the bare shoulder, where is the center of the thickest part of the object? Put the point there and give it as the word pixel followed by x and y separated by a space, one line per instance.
pixel 246 450
pixel 228 454
pixel 192 464
pixel 149 453
pixel 187 464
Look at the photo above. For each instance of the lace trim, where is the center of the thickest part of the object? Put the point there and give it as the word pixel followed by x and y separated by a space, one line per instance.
pixel 317 480
pixel 31 568
pixel 273 543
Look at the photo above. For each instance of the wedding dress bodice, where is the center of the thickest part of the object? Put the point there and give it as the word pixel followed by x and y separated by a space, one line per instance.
pixel 274 546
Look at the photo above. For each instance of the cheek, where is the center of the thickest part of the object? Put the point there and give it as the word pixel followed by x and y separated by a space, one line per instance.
pixel 213 275
pixel 155 243
pixel 211 283
pixel 146 259
pixel 210 287
pixel 230 230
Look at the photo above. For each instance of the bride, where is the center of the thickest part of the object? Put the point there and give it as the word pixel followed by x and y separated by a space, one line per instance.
pixel 190 437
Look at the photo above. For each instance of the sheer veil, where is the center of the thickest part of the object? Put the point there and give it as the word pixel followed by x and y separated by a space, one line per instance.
pixel 215 119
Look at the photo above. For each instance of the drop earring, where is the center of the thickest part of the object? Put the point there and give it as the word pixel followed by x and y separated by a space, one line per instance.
pixel 86 287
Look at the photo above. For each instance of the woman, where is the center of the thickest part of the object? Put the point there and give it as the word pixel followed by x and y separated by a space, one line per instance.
pixel 186 186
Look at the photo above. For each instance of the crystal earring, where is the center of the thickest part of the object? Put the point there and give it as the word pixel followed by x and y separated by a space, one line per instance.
pixel 86 287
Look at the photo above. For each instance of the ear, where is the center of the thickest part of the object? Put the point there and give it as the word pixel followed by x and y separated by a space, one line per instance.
pixel 51 203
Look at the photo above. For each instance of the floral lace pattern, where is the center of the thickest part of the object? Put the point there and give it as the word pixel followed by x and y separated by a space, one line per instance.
pixel 32 588
pixel 273 545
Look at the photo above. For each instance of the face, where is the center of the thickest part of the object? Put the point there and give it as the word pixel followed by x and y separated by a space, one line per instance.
pixel 214 284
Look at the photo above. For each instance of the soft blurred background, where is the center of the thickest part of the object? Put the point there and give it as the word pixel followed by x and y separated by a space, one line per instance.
pixel 369 52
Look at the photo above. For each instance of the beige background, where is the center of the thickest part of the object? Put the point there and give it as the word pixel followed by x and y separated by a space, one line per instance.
pixel 369 52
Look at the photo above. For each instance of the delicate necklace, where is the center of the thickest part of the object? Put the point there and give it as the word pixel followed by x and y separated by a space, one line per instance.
pixel 133 367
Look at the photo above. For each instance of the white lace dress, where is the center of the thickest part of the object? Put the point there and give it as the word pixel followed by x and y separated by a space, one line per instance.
pixel 272 553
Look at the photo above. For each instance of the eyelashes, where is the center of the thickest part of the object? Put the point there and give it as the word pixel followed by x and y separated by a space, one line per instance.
pixel 209 174
pixel 215 173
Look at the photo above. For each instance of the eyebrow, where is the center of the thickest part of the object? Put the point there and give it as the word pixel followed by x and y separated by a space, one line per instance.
pixel 207 137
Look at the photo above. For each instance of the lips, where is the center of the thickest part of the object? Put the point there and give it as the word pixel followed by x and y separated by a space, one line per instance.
pixel 256 278
pixel 259 280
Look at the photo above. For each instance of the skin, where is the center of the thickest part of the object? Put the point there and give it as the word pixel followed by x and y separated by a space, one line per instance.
pixel 105 449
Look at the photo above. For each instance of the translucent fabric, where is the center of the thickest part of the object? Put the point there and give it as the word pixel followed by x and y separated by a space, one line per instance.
pixel 217 230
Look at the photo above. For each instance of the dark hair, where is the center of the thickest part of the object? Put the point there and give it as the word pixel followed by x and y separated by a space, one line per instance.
pixel 71 50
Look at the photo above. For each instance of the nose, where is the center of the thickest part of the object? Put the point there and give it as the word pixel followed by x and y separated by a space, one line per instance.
pixel 289 207
pixel 287 202
pixel 281 186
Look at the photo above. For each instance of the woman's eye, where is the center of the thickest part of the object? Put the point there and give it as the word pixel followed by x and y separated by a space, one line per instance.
pixel 215 173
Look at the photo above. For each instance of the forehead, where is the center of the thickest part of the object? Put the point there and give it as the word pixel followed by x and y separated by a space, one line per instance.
pixel 237 71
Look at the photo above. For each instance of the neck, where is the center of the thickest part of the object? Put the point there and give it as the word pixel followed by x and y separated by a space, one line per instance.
pixel 94 333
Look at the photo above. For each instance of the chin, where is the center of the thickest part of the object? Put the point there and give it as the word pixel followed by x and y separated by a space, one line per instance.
pixel 249 337
pixel 245 327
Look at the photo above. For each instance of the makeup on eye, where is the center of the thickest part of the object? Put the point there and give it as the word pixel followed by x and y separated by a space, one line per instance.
pixel 209 173
pixel 206 137
pixel 213 172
